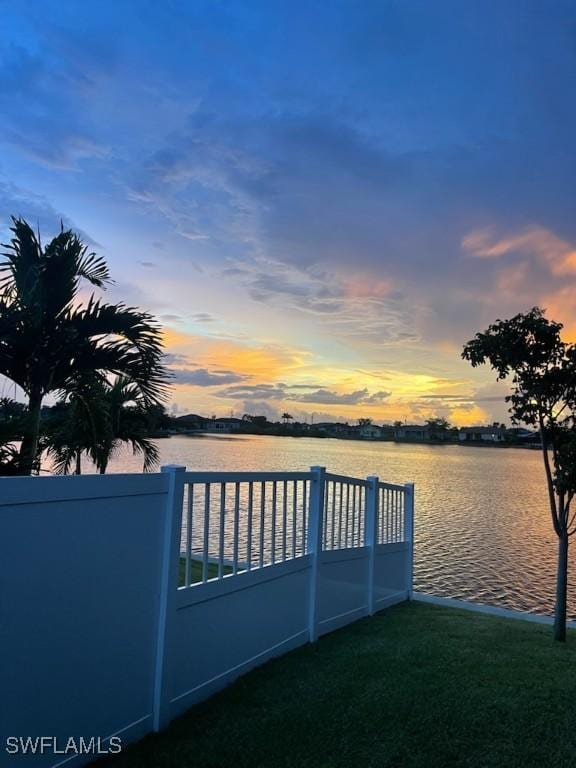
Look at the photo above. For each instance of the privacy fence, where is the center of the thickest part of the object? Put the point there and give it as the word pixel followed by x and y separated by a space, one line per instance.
pixel 125 599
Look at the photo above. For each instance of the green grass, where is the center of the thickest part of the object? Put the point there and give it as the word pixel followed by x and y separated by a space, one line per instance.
pixel 196 571
pixel 418 685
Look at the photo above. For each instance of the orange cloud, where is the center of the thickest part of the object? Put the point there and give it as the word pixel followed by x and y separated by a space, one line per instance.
pixel 561 306
pixel 259 361
pixel 558 254
pixel 465 417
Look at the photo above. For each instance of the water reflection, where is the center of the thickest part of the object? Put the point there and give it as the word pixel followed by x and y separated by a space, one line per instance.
pixel 483 530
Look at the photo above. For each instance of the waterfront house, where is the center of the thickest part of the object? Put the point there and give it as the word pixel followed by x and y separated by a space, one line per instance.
pixel 224 425
pixel 493 434
pixel 414 432
pixel 335 429
pixel 371 432
pixel 191 421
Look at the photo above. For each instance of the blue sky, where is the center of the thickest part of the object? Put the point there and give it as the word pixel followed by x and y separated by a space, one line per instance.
pixel 321 201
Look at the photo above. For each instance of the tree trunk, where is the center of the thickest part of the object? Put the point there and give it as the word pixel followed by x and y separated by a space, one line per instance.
pixel 29 446
pixel 78 463
pixel 561 588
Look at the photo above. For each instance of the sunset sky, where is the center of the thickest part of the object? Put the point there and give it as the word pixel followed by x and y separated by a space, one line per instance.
pixel 320 201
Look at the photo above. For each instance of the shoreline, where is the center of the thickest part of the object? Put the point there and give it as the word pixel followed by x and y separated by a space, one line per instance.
pixel 436 443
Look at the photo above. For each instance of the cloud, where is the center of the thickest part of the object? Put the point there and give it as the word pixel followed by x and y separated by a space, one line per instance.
pixel 326 397
pixel 19 201
pixel 261 408
pixel 255 391
pixel 200 377
pixel 558 254
pixel 173 359
pixel 346 305
pixel 320 396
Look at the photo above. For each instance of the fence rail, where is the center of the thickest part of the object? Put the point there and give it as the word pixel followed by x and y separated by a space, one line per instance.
pixel 235 522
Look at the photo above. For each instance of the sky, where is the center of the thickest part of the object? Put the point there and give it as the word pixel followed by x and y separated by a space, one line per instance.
pixel 321 202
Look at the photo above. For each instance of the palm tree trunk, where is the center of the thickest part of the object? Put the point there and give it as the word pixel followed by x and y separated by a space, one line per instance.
pixel 78 470
pixel 561 588
pixel 29 446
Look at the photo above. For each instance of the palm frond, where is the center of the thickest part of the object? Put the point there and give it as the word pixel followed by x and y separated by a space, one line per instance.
pixel 119 340
pixel 62 458
pixel 93 268
pixel 20 270
pixel 146 448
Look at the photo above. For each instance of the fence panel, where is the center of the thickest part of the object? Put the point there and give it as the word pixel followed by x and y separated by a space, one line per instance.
pixel 391 518
pixel 79 573
pixel 242 524
pixel 392 570
pixel 344 512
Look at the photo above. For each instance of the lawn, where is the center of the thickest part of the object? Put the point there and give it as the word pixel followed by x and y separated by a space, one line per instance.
pixel 417 685
pixel 196 571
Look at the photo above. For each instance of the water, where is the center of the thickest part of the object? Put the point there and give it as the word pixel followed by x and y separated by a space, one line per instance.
pixel 483 529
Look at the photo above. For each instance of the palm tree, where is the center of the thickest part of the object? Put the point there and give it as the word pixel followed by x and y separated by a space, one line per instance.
pixel 130 419
pixel 74 426
pixel 11 425
pixel 49 340
pixel 96 420
pixel 286 417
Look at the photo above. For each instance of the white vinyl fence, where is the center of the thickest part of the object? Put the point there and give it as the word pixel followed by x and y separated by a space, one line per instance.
pixel 125 599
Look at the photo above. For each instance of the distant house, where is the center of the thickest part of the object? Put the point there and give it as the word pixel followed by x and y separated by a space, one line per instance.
pixel 190 421
pixel 335 429
pixel 224 425
pixel 415 432
pixel 523 436
pixel 371 432
pixel 338 429
pixel 492 434
pixel 323 426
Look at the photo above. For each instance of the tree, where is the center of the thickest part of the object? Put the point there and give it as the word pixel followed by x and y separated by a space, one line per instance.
pixel 286 417
pixel 529 348
pixel 75 426
pixel 130 420
pixel 96 421
pixel 12 419
pixel 364 422
pixel 438 428
pixel 49 340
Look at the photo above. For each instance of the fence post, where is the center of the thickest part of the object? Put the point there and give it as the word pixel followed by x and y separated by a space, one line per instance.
pixel 409 536
pixel 315 523
pixel 371 535
pixel 168 586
